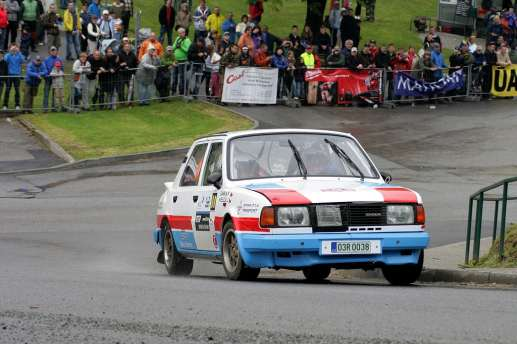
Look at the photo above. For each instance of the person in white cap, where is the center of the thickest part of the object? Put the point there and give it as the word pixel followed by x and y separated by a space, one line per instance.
pixel 146 74
pixel 106 26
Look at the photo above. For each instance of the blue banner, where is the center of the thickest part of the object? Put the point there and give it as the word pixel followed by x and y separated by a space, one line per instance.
pixel 406 85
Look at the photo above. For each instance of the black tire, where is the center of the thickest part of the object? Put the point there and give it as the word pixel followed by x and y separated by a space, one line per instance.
pixel 232 262
pixel 175 263
pixel 404 274
pixel 316 273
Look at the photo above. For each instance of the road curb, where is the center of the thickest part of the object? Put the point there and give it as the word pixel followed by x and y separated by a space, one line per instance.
pixel 47 141
pixel 467 276
pixel 71 163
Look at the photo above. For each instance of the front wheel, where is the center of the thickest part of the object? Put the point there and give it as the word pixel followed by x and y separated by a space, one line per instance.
pixel 175 263
pixel 316 273
pixel 233 264
pixel 404 274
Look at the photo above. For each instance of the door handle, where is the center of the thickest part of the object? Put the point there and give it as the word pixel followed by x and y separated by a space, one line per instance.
pixel 194 198
pixel 174 199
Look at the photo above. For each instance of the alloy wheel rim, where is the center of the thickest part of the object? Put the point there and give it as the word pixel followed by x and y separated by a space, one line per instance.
pixel 167 249
pixel 231 252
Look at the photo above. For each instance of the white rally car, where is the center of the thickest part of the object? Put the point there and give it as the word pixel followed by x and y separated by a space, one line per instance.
pixel 307 200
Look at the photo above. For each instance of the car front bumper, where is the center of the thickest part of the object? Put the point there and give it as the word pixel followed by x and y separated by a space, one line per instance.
pixel 302 250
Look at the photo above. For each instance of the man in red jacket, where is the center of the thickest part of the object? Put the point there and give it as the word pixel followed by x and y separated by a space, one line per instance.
pixel 256 9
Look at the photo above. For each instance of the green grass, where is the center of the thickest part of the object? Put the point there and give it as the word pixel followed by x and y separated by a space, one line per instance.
pixel 491 259
pixel 391 25
pixel 138 129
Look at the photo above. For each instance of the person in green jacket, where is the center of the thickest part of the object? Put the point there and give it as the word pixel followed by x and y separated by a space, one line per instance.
pixel 31 12
pixel 180 48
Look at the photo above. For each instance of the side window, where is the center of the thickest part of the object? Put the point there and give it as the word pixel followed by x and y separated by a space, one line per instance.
pixel 192 170
pixel 215 160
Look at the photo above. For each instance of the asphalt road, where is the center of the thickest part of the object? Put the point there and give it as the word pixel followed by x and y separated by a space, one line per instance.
pixel 78 264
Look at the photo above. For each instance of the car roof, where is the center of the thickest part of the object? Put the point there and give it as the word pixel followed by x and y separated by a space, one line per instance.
pixel 232 134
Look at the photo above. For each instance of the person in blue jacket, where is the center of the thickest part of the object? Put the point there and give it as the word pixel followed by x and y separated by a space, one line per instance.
pixel 14 60
pixel 94 9
pixel 229 26
pixel 438 60
pixel 49 63
pixel 280 62
pixel 36 71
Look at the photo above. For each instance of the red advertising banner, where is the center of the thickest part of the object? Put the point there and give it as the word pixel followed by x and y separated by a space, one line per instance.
pixel 343 86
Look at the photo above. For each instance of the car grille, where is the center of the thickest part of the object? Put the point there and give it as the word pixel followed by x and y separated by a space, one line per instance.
pixel 357 215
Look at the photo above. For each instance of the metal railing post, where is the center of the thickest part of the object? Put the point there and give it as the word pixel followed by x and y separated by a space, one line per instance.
pixel 503 220
pixel 496 213
pixel 477 233
pixel 469 226
pixel 469 80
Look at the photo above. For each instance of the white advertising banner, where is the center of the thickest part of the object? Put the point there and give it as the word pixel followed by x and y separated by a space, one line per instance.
pixel 250 85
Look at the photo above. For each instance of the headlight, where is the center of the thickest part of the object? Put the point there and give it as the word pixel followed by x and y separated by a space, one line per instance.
pixel 400 214
pixel 292 216
pixel 328 216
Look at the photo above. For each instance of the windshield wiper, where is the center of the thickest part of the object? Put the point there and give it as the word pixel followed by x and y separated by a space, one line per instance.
pixel 299 161
pixel 342 154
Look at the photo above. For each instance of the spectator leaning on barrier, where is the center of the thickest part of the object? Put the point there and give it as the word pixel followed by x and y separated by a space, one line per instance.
pixel 58 84
pixel 262 58
pixel 36 71
pixel 299 78
pixel 96 63
pixel 183 17
pixel 146 74
pixel 167 18
pixel 231 59
pixel 503 58
pixel 367 59
pixel 49 63
pixel 13 12
pixel 491 60
pixel 151 41
pixel 81 68
pixel 200 16
pixel 336 59
pixel 14 61
pixel 108 79
pixel 279 61
pixel 354 61
pixel 181 47
pixel 127 64
pixel 239 29
pixel 229 26
pixel 51 21
pixel 72 26
pixel 438 61
pixel 196 56
pixel 164 74
pixel 310 60
pixel 245 58
pixel 382 60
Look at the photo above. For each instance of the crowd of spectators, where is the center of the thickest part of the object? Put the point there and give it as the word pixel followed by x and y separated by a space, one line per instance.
pixel 108 68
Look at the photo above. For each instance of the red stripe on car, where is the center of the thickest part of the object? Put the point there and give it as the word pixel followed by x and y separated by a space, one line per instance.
pixel 283 196
pixel 180 222
pixel 397 195
pixel 218 223
pixel 248 224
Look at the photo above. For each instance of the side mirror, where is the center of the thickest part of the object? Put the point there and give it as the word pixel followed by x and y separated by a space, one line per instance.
pixel 215 179
pixel 387 177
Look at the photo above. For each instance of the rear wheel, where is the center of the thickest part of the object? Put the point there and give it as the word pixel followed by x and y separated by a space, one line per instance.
pixel 316 273
pixel 404 274
pixel 233 264
pixel 175 263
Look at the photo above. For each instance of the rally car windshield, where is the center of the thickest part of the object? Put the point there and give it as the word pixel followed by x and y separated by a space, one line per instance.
pixel 297 154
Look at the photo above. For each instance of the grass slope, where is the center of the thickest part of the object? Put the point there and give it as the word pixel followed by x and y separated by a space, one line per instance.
pixel 391 25
pixel 139 129
pixel 491 259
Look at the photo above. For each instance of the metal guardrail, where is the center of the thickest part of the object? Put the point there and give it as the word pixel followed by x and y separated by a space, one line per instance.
pixel 481 197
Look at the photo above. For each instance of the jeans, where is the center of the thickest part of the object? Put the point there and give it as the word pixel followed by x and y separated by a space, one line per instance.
pixel 144 92
pixel 165 30
pixel 12 81
pixel 46 93
pixel 72 44
pixel 179 72
pixel 197 74
pixel 298 89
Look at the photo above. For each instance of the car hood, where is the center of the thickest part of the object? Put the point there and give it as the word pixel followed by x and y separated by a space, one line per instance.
pixel 313 190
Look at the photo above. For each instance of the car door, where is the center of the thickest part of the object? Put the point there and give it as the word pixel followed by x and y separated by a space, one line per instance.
pixel 205 234
pixel 185 199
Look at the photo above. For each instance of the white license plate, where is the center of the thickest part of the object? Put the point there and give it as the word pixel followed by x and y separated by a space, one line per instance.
pixel 350 247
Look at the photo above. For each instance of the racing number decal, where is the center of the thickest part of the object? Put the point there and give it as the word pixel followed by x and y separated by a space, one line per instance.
pixel 202 221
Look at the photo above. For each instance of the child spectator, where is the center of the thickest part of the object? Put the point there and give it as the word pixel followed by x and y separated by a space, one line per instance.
pixel 58 85
pixel 81 69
